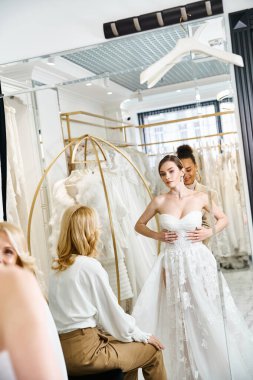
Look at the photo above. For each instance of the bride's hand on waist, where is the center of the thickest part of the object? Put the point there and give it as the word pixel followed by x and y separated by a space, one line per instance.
pixel 167 236
pixel 199 234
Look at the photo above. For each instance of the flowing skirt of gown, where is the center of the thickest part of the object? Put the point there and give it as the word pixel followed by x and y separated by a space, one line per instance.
pixel 203 340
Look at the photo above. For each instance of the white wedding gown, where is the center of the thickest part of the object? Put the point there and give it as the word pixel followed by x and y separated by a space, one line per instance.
pixel 186 314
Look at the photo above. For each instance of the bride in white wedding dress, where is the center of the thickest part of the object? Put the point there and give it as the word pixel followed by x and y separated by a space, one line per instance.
pixel 180 301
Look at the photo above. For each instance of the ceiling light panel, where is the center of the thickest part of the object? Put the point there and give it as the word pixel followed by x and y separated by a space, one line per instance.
pixel 125 58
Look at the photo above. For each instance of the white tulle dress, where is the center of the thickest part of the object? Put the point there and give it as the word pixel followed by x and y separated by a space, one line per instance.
pixel 186 314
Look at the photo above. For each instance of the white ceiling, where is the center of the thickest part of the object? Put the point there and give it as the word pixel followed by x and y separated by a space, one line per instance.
pixel 30 28
pixel 122 60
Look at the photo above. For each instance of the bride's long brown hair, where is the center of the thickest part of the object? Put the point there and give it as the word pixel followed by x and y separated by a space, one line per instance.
pixel 171 158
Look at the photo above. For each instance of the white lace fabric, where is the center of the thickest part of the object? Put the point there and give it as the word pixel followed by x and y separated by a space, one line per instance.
pixel 186 314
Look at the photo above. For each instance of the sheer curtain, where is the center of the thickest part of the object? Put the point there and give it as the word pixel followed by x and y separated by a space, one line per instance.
pixel 17 211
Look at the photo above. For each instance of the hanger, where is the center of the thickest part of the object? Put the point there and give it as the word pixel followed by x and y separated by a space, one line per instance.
pixel 183 47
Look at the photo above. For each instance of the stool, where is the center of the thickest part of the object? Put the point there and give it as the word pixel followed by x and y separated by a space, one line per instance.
pixel 115 374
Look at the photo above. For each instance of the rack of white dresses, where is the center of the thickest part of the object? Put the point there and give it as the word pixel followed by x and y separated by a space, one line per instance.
pixel 98 148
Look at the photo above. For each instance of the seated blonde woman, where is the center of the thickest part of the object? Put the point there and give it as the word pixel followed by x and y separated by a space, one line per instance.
pixel 83 304
pixel 14 252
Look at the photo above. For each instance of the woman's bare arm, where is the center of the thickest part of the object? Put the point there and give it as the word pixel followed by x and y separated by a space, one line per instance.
pixel 205 233
pixel 221 218
pixel 24 331
pixel 149 213
pixel 141 224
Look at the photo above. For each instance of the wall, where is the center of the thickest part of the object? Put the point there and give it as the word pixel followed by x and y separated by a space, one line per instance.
pixel 28 29
pixel 28 140
pixel 70 101
pixel 176 97
pixel 51 134
pixel 170 97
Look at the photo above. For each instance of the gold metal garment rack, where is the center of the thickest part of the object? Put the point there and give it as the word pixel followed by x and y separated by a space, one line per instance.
pixel 184 119
pixel 66 117
pixel 96 144
pixel 189 138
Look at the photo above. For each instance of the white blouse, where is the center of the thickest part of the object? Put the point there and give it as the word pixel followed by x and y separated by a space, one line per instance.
pixel 81 297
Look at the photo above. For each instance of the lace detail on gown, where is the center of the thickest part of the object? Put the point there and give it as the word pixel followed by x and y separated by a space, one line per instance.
pixel 186 313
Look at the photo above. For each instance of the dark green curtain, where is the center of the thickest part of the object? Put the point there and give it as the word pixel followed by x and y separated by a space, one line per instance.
pixel 3 154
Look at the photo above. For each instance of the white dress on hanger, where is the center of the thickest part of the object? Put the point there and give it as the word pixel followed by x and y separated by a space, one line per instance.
pixel 138 260
pixel 231 195
pixel 17 211
pixel 86 188
pixel 232 247
pixel 186 314
pixel 135 197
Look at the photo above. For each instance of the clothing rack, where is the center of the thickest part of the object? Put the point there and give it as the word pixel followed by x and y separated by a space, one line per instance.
pixel 189 138
pixel 66 118
pixel 98 145
pixel 142 126
pixel 67 121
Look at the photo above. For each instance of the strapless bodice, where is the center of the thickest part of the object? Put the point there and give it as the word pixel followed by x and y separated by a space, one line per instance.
pixel 187 223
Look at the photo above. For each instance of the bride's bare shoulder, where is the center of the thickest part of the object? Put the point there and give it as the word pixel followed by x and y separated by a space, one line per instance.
pixel 158 199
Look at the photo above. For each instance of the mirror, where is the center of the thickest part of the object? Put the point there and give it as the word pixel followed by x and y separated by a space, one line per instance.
pixel 192 104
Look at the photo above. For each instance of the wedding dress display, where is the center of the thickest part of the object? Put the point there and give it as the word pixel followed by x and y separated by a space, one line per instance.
pixel 17 211
pixel 141 160
pixel 86 188
pixel 127 197
pixel 138 257
pixel 181 298
pixel 233 244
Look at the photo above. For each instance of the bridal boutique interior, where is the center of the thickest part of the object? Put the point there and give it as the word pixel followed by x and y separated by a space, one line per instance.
pixel 82 129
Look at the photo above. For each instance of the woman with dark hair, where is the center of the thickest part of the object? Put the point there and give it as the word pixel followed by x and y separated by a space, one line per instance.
pixel 182 290
pixel 186 156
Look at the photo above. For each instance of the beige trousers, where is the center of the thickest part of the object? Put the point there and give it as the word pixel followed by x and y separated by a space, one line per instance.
pixel 88 351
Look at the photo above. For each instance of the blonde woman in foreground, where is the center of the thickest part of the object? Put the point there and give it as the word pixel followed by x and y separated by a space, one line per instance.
pixel 83 304
pixel 28 335
pixel 13 248
pixel 26 351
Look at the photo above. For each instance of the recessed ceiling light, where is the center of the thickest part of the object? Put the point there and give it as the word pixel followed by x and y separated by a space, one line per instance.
pixel 139 96
pixel 178 90
pixel 88 84
pixel 197 94
pixel 106 81
pixel 51 61
pixel 109 93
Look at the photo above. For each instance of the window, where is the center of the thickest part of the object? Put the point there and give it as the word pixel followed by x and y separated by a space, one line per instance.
pixel 183 130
